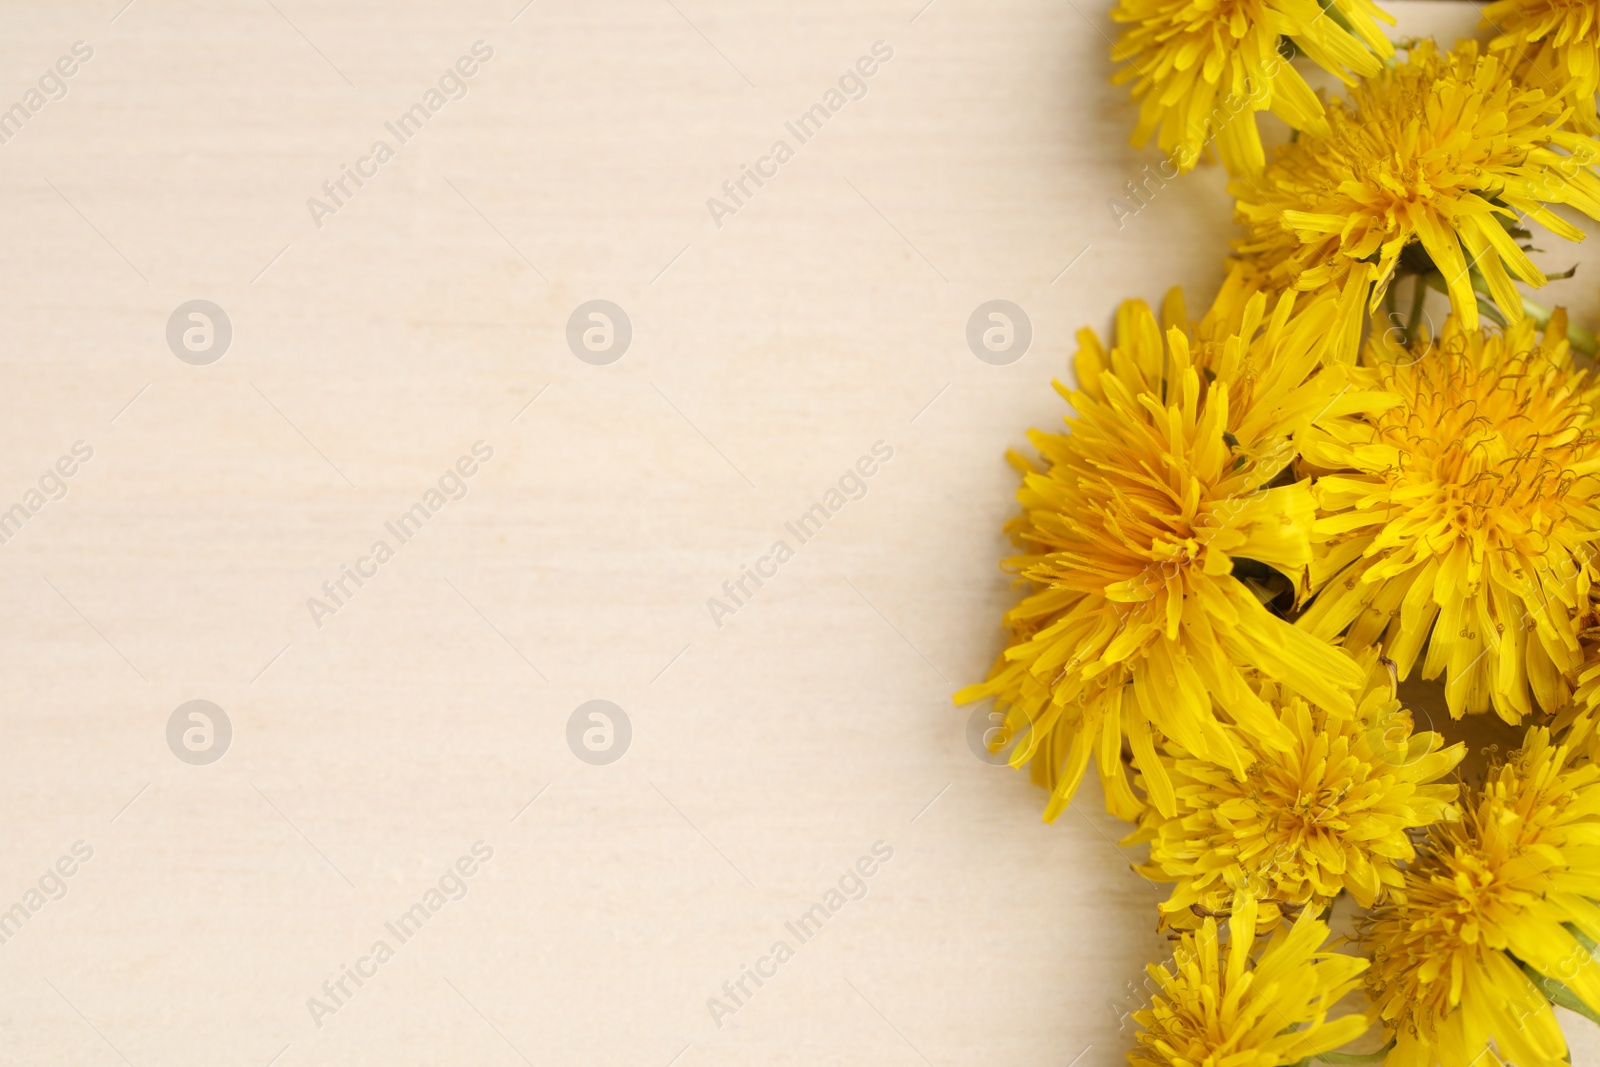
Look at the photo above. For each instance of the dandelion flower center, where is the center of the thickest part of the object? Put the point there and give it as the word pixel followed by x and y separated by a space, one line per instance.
pixel 1494 909
pixel 1330 813
pixel 1137 626
pixel 1213 1008
pixel 1464 516
pixel 1442 151
pixel 1201 69
pixel 1501 444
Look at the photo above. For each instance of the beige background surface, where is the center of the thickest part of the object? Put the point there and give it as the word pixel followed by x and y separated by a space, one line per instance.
pixel 368 354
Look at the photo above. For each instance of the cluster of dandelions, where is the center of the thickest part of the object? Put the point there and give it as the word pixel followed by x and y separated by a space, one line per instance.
pixel 1259 523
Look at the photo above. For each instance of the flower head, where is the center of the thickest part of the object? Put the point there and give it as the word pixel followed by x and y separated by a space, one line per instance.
pixel 1330 813
pixel 1464 518
pixel 1213 1010
pixel 1201 69
pixel 1136 624
pixel 1443 151
pixel 1555 45
pixel 1498 917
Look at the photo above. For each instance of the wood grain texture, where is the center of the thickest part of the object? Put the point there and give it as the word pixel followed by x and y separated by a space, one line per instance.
pixel 429 312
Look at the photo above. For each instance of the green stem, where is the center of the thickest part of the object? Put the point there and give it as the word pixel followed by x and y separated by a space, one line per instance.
pixel 1419 293
pixel 1581 339
pixel 1356 1058
pixel 1578 337
pixel 1488 309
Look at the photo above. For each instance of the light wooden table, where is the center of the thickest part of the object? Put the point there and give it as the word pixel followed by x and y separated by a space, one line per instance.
pixel 768 355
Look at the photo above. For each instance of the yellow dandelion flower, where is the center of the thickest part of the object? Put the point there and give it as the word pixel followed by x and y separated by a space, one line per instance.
pixel 1575 724
pixel 1443 152
pixel 1464 519
pixel 1498 919
pixel 1201 69
pixel 1212 1010
pixel 1135 622
pixel 1555 45
pixel 1331 813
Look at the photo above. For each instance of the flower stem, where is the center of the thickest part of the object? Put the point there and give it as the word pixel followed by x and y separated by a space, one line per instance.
pixel 1419 293
pixel 1375 1056
pixel 1578 337
pixel 1490 310
pixel 1581 339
